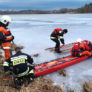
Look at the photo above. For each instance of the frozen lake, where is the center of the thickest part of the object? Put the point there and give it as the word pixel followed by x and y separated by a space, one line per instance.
pixel 33 32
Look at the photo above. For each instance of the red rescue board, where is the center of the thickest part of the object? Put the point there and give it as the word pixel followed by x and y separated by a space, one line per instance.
pixel 54 65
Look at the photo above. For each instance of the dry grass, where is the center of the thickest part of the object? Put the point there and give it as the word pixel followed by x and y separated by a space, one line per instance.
pixel 36 55
pixel 62 72
pixel 13 46
pixel 43 85
pixel 87 86
pixel 39 85
pixel 71 90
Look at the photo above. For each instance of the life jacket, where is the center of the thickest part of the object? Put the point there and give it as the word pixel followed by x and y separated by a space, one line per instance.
pixel 76 49
pixel 86 42
pixel 56 31
pixel 8 36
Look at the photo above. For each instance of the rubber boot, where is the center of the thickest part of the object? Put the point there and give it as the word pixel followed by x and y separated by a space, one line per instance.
pixel 31 76
pixel 18 83
pixel 30 80
pixel 57 50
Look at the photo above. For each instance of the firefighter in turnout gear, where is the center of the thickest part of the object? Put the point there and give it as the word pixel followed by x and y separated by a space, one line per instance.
pixel 87 44
pixel 20 66
pixel 80 49
pixel 57 35
pixel 5 36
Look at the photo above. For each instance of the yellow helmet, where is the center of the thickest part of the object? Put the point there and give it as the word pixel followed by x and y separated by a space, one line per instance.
pixel 5 19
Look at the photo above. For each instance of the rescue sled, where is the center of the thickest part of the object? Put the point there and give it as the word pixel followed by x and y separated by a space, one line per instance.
pixel 54 65
pixel 62 47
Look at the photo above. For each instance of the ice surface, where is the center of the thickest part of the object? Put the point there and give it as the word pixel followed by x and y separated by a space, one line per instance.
pixel 33 32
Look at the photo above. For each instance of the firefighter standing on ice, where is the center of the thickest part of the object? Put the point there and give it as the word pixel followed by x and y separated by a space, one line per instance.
pixel 18 66
pixel 5 36
pixel 56 35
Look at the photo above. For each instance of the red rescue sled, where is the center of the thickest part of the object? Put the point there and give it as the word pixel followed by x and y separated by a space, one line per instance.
pixel 49 67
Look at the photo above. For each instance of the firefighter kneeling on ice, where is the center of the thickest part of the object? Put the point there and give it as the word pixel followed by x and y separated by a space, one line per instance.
pixel 18 66
pixel 81 48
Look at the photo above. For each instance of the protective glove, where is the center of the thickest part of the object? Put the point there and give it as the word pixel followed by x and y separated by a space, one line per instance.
pixel 62 41
pixel 12 38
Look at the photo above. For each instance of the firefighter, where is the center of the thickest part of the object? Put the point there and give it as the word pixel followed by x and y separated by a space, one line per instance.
pixel 79 49
pixel 57 37
pixel 5 36
pixel 18 65
pixel 87 44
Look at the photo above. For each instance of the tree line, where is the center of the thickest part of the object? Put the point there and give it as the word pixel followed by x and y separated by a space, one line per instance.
pixel 85 9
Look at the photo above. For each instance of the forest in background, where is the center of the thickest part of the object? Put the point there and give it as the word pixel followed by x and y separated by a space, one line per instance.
pixel 85 9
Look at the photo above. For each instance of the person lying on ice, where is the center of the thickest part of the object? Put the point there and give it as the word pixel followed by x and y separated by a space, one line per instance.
pixel 5 36
pixel 18 66
pixel 81 48
pixel 87 44
pixel 57 35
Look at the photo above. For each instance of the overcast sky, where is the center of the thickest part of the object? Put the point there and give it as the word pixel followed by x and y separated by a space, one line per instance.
pixel 41 4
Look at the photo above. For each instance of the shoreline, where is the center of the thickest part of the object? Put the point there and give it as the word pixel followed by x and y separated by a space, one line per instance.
pixel 41 13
